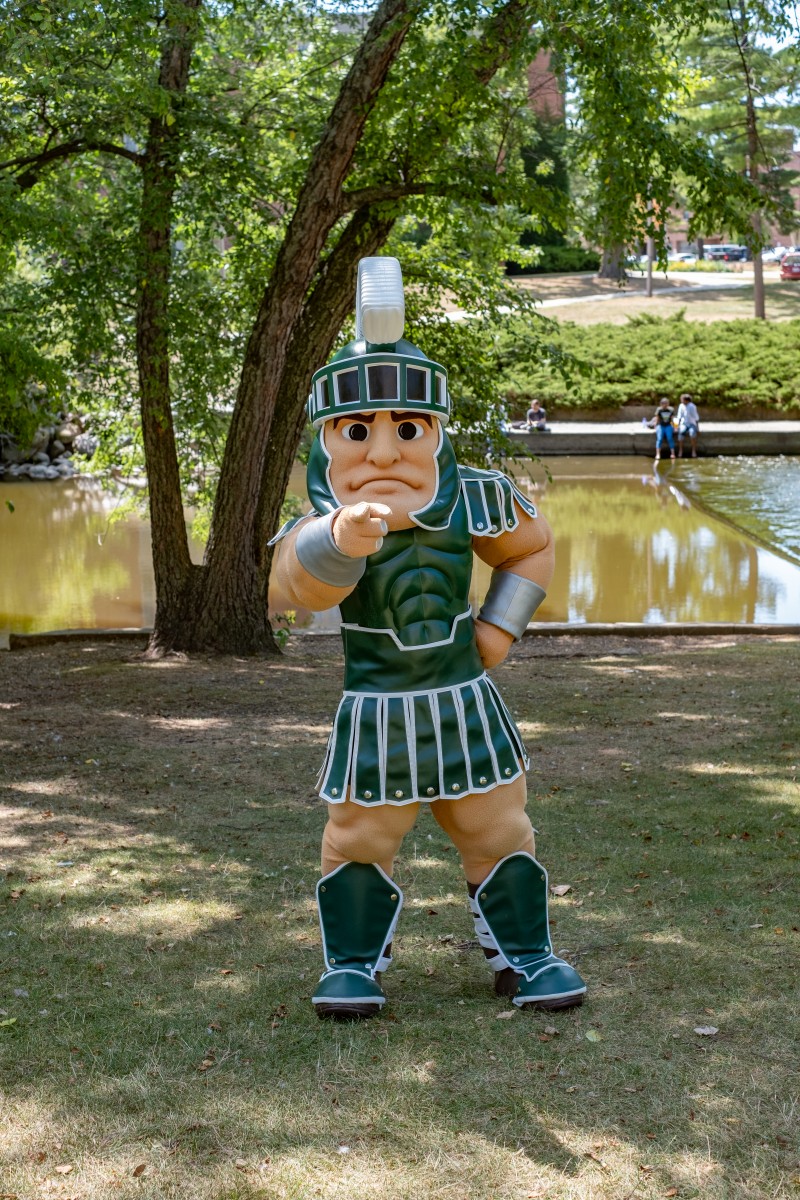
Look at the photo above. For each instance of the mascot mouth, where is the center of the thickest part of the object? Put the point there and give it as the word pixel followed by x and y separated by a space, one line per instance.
pixel 388 480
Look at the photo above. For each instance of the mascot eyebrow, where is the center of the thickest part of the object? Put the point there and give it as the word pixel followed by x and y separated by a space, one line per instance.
pixel 397 417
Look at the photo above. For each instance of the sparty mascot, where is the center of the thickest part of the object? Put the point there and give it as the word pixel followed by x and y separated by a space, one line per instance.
pixel 390 540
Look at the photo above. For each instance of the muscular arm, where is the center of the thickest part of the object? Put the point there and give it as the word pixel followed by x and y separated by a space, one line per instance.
pixel 357 531
pixel 527 551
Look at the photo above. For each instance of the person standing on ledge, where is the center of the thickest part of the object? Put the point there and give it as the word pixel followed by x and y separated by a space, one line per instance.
pixel 662 423
pixel 688 422
pixel 390 540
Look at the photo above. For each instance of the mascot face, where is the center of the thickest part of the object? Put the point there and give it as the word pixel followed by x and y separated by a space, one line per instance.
pixel 384 457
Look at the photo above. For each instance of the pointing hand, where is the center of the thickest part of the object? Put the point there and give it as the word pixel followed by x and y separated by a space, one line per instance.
pixel 359 529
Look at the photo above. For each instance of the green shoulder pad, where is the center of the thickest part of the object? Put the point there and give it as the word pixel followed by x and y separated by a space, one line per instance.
pixel 490 498
pixel 287 528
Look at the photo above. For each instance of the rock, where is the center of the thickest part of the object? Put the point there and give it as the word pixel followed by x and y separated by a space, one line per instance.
pixel 21 469
pixel 85 443
pixel 40 439
pixel 10 453
pixel 67 433
pixel 56 448
pixel 64 469
pixel 40 471
pixel 41 457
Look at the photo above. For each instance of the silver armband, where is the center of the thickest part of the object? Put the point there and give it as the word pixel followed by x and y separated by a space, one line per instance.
pixel 511 602
pixel 318 554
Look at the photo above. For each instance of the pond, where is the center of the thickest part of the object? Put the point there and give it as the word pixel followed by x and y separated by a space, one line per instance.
pixel 696 541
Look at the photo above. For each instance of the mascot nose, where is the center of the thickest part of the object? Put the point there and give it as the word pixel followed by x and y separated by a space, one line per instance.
pixel 383 446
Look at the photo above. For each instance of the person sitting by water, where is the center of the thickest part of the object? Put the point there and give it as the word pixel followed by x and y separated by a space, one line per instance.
pixel 536 416
pixel 662 423
pixel 688 422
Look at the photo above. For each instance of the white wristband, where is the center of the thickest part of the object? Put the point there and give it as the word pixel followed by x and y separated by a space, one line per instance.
pixel 511 602
pixel 318 554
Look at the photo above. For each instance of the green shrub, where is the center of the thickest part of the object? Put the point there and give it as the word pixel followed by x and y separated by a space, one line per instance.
pixel 724 364
pixel 560 260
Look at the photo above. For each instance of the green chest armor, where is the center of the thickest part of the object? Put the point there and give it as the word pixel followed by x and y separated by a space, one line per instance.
pixel 407 625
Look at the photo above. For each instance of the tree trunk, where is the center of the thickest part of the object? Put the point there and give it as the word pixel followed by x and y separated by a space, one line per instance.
pixel 302 310
pixel 229 611
pixel 612 265
pixel 759 302
pixel 329 306
pixel 171 562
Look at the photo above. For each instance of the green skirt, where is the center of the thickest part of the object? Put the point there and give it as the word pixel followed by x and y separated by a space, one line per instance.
pixel 405 747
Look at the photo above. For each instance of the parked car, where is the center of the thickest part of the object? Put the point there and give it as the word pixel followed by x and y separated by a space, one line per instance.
pixel 770 257
pixel 790 267
pixel 728 252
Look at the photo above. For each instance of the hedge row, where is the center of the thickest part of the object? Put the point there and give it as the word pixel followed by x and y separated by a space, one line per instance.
pixel 559 259
pixel 724 364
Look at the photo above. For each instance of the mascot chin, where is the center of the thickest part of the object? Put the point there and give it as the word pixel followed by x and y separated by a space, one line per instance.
pixel 390 540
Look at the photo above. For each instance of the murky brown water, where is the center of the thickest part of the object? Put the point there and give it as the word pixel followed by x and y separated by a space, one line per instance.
pixel 631 547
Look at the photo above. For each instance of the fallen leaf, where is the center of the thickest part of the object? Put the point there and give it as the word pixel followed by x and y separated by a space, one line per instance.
pixel 551 1029
pixel 706 1030
pixel 64 1169
pixel 593 1036
pixel 506 1016
pixel 140 1170
pixel 560 889
pixel 8 1021
pixel 671 1192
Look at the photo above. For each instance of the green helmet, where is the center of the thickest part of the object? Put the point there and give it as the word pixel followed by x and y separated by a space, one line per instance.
pixel 379 369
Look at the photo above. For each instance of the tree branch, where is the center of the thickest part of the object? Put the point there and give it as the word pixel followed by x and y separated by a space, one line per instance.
pixel 37 162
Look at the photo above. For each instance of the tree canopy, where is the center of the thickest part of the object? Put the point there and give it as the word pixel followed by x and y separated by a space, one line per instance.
pixel 186 190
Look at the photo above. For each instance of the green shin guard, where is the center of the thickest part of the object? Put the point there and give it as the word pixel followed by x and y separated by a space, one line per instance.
pixel 358 910
pixel 510 911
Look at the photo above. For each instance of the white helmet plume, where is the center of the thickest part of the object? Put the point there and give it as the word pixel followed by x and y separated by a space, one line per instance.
pixel 380 306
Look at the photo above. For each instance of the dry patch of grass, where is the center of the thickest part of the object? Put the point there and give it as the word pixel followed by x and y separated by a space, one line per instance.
pixel 158 943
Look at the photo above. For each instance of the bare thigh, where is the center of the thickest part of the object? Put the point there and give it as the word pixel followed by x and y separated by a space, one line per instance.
pixel 486 827
pixel 357 833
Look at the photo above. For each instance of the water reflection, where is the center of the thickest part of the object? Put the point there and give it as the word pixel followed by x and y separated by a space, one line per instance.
pixel 642 553
pixel 760 495
pixel 633 545
pixel 71 559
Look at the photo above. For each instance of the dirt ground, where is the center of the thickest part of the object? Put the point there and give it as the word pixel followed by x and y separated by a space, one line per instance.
pixel 92 724
pixel 159 941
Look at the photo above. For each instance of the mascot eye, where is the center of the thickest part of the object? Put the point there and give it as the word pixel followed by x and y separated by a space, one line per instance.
pixel 357 432
pixel 408 430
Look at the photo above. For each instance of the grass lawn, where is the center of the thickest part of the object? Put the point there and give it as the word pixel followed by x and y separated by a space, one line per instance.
pixel 159 945
pixel 701 304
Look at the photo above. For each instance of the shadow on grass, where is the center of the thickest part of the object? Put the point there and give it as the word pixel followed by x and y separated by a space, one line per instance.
pixel 159 944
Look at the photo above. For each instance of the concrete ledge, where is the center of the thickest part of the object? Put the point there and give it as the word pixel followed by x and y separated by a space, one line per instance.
pixel 19 641
pixel 665 629
pixel 716 438
pixel 22 641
